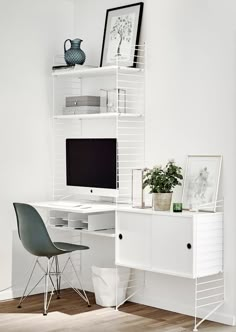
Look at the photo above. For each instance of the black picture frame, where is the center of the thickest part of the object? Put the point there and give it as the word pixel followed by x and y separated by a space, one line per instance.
pixel 131 21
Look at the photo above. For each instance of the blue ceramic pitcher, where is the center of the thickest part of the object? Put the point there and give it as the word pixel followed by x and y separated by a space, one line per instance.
pixel 74 55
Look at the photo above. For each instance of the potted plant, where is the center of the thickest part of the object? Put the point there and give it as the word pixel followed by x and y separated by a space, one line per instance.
pixel 161 181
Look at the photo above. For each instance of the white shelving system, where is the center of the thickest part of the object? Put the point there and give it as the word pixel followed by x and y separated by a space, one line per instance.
pixel 124 120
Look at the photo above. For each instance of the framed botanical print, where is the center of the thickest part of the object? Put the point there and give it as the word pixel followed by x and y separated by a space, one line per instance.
pixel 121 35
pixel 201 182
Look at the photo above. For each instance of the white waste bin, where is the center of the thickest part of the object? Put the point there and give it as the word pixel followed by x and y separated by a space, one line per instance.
pixel 104 283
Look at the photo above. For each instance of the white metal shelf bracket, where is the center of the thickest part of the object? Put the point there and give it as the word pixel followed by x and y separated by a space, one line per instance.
pixel 209 290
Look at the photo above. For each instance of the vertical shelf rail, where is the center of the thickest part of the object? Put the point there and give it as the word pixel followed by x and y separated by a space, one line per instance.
pixel 209 289
pixel 62 129
pixel 63 87
pixel 130 279
pixel 130 98
pixel 209 295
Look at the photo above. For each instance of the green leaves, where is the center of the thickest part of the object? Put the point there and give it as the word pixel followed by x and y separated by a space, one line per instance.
pixel 163 180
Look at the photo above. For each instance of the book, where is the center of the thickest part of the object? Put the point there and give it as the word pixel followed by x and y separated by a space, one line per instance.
pixel 62 67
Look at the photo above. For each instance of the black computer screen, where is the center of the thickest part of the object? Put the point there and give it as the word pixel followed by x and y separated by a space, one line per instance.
pixel 91 162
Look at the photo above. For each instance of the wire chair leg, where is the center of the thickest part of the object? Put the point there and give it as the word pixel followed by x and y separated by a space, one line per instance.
pixel 56 273
pixel 46 290
pixel 46 301
pixel 47 277
pixel 81 286
pixel 84 295
pixel 58 277
pixel 26 287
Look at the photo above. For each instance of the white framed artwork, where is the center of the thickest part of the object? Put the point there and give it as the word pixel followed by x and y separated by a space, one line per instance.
pixel 201 182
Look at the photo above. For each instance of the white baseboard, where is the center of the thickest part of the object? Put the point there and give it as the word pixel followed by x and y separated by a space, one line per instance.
pixel 6 295
pixel 178 307
pixel 88 286
pixel 181 308
pixel 17 292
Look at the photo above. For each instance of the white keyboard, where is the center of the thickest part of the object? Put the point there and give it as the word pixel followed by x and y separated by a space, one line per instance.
pixel 67 203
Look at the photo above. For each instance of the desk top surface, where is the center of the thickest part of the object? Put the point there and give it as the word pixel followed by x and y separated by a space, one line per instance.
pixel 149 210
pixel 95 207
pixel 76 207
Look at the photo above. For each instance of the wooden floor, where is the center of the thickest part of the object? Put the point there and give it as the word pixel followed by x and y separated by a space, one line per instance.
pixel 71 313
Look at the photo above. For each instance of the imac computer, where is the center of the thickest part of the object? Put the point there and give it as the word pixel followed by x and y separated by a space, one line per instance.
pixel 91 165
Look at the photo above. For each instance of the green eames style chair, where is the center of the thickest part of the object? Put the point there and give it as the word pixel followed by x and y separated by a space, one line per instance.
pixel 36 240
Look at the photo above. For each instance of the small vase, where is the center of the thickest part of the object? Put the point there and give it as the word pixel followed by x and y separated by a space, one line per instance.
pixel 161 201
pixel 74 55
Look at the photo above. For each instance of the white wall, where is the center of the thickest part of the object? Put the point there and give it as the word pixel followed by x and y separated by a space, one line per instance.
pixel 31 32
pixel 191 104
pixel 191 73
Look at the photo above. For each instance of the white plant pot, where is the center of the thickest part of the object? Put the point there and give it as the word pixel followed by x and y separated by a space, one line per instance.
pixel 161 201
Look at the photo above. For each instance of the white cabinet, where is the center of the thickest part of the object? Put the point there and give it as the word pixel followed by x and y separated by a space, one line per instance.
pixel 187 244
pixel 133 246
pixel 172 245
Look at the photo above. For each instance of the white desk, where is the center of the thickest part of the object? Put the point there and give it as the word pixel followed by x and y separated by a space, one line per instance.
pixel 187 244
pixel 90 218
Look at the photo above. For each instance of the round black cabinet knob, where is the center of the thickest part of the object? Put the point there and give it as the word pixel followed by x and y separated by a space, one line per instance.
pixel 120 236
pixel 189 246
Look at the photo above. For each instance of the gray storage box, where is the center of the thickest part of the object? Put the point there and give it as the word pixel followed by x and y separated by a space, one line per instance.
pixel 81 110
pixel 82 101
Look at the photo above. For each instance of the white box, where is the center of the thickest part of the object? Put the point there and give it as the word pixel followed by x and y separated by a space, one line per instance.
pixel 101 221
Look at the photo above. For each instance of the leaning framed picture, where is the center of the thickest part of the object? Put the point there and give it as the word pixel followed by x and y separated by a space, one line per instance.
pixel 121 35
pixel 201 182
